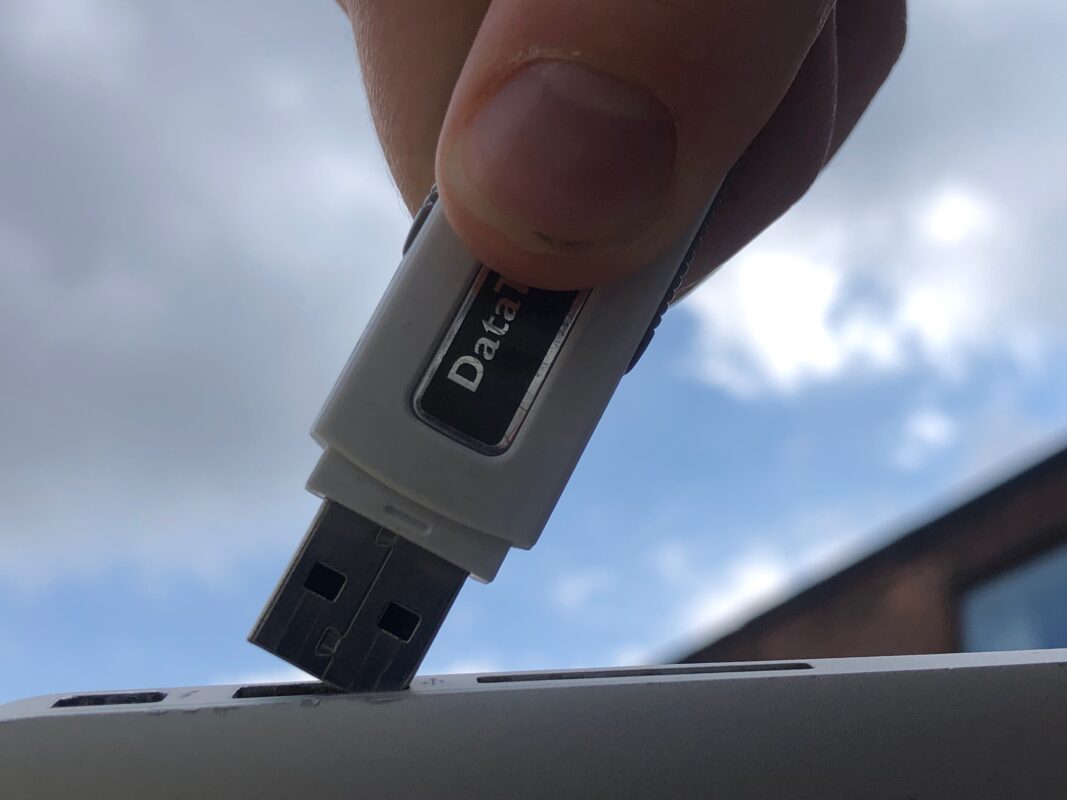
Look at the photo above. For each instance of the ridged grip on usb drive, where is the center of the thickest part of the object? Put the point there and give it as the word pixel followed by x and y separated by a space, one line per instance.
pixel 676 283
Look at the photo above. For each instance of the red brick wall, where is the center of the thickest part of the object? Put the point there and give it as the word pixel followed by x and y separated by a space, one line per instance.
pixel 903 599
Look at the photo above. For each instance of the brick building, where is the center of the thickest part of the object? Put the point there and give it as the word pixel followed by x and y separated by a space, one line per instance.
pixel 989 575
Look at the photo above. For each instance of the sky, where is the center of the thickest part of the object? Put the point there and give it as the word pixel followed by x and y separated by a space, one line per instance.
pixel 196 222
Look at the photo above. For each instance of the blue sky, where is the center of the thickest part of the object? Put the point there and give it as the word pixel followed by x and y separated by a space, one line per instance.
pixel 195 222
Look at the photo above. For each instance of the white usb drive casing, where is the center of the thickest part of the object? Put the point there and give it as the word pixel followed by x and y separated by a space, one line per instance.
pixel 468 401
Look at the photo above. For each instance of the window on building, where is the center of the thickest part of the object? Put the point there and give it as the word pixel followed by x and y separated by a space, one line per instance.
pixel 1023 608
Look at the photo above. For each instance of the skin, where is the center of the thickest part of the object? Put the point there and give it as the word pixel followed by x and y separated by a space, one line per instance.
pixel 766 91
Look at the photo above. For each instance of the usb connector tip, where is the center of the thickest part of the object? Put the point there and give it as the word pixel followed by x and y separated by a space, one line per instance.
pixel 359 605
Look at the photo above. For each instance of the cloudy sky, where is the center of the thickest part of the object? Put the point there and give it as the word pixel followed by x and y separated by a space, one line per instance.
pixel 195 222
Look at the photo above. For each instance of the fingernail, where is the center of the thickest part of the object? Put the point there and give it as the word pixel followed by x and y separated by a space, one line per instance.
pixel 562 156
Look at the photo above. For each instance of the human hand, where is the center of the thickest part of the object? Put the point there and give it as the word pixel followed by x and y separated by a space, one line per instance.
pixel 574 140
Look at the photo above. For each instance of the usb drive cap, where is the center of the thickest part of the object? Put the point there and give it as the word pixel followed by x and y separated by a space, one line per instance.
pixel 359 605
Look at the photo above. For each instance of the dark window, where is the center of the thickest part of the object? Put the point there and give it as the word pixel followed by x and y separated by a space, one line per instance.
pixel 324 581
pixel 398 621
pixel 1023 608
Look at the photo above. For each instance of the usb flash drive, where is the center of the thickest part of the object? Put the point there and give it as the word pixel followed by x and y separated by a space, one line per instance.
pixel 447 441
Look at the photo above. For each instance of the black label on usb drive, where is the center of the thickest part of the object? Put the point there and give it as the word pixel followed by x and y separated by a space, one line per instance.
pixel 494 358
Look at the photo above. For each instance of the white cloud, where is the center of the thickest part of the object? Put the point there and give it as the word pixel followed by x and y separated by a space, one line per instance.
pixel 482 662
pixel 632 655
pixel 953 216
pixel 774 320
pixel 283 674
pixel 930 427
pixel 79 40
pixel 183 271
pixel 934 242
pixel 711 597
pixel 925 432
pixel 672 562
pixel 572 592
pixel 743 587
pixel 800 306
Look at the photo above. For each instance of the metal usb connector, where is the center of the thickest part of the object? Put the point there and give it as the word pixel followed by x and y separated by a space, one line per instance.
pixel 359 606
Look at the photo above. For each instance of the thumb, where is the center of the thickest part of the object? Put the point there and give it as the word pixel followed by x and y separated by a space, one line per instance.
pixel 584 136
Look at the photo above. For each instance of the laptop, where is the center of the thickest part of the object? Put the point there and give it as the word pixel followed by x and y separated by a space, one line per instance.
pixel 968 726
